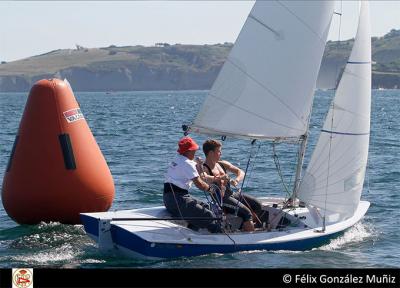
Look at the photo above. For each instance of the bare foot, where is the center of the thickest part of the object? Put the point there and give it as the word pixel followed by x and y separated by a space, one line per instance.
pixel 248 226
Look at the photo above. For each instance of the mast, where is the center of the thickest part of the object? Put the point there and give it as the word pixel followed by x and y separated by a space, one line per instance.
pixel 250 98
pixel 333 181
pixel 300 161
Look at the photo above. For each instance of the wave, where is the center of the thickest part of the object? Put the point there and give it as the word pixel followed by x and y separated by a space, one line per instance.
pixel 356 234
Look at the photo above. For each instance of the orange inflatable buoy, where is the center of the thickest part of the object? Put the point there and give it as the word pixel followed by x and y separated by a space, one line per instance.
pixel 56 169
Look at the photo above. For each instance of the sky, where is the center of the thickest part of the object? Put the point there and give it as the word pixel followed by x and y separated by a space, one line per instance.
pixel 29 28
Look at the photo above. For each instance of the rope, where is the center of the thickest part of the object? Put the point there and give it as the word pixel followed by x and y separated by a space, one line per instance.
pixel 221 211
pixel 252 165
pixel 248 179
pixel 245 174
pixel 278 167
pixel 286 204
pixel 248 163
pixel 179 210
pixel 251 210
pixel 241 189
pixel 210 203
pixel 215 202
pixel 176 201
pixel 223 230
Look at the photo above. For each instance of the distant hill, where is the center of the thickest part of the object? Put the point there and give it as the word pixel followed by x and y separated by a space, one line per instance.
pixel 385 57
pixel 176 67
pixel 166 67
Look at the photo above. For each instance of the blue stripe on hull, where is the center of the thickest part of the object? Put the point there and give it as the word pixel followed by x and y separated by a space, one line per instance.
pixel 91 225
pixel 165 250
pixel 137 244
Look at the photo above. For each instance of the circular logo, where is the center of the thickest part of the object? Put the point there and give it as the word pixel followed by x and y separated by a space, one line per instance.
pixel 22 278
pixel 287 278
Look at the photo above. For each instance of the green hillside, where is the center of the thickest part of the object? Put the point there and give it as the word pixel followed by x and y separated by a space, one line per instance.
pixel 385 57
pixel 176 67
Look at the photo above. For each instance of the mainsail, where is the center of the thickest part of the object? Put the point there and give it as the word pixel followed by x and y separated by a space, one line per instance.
pixel 266 86
pixel 334 178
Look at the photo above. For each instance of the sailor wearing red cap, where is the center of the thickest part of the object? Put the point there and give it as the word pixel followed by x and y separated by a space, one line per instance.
pixel 180 176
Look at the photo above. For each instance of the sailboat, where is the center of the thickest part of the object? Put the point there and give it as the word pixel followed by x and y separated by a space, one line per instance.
pixel 265 92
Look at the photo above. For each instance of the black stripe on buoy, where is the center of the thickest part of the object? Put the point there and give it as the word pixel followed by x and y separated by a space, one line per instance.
pixel 12 153
pixel 68 152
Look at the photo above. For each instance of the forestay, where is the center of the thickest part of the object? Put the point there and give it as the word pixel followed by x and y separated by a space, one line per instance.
pixel 266 86
pixel 334 178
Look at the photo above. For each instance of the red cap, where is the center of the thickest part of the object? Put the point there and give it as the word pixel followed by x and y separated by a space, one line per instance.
pixel 187 144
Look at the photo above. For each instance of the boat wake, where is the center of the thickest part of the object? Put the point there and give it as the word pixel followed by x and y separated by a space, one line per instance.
pixel 356 234
pixel 48 244
pixel 48 235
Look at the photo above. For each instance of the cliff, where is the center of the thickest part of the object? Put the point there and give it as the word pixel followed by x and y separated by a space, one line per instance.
pixel 385 61
pixel 176 67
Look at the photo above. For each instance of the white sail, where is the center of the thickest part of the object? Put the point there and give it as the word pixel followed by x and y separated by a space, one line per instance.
pixel 266 86
pixel 334 178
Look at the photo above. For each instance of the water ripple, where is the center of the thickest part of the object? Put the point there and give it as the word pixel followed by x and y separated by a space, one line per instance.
pixel 137 133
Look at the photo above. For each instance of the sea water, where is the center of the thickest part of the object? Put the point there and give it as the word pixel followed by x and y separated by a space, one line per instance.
pixel 138 133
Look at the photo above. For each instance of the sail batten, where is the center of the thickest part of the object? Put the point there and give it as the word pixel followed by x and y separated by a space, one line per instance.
pixel 323 40
pixel 334 178
pixel 345 133
pixel 269 90
pixel 266 86
pixel 265 25
pixel 254 114
pixel 211 132
pixel 353 62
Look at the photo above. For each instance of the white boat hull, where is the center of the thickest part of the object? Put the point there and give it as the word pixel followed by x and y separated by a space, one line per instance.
pixel 168 239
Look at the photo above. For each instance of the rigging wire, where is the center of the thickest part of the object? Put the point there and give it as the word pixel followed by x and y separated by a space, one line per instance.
pixel 279 170
pixel 248 163
pixel 241 189
pixel 331 134
pixel 338 43
pixel 245 174
pixel 251 168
